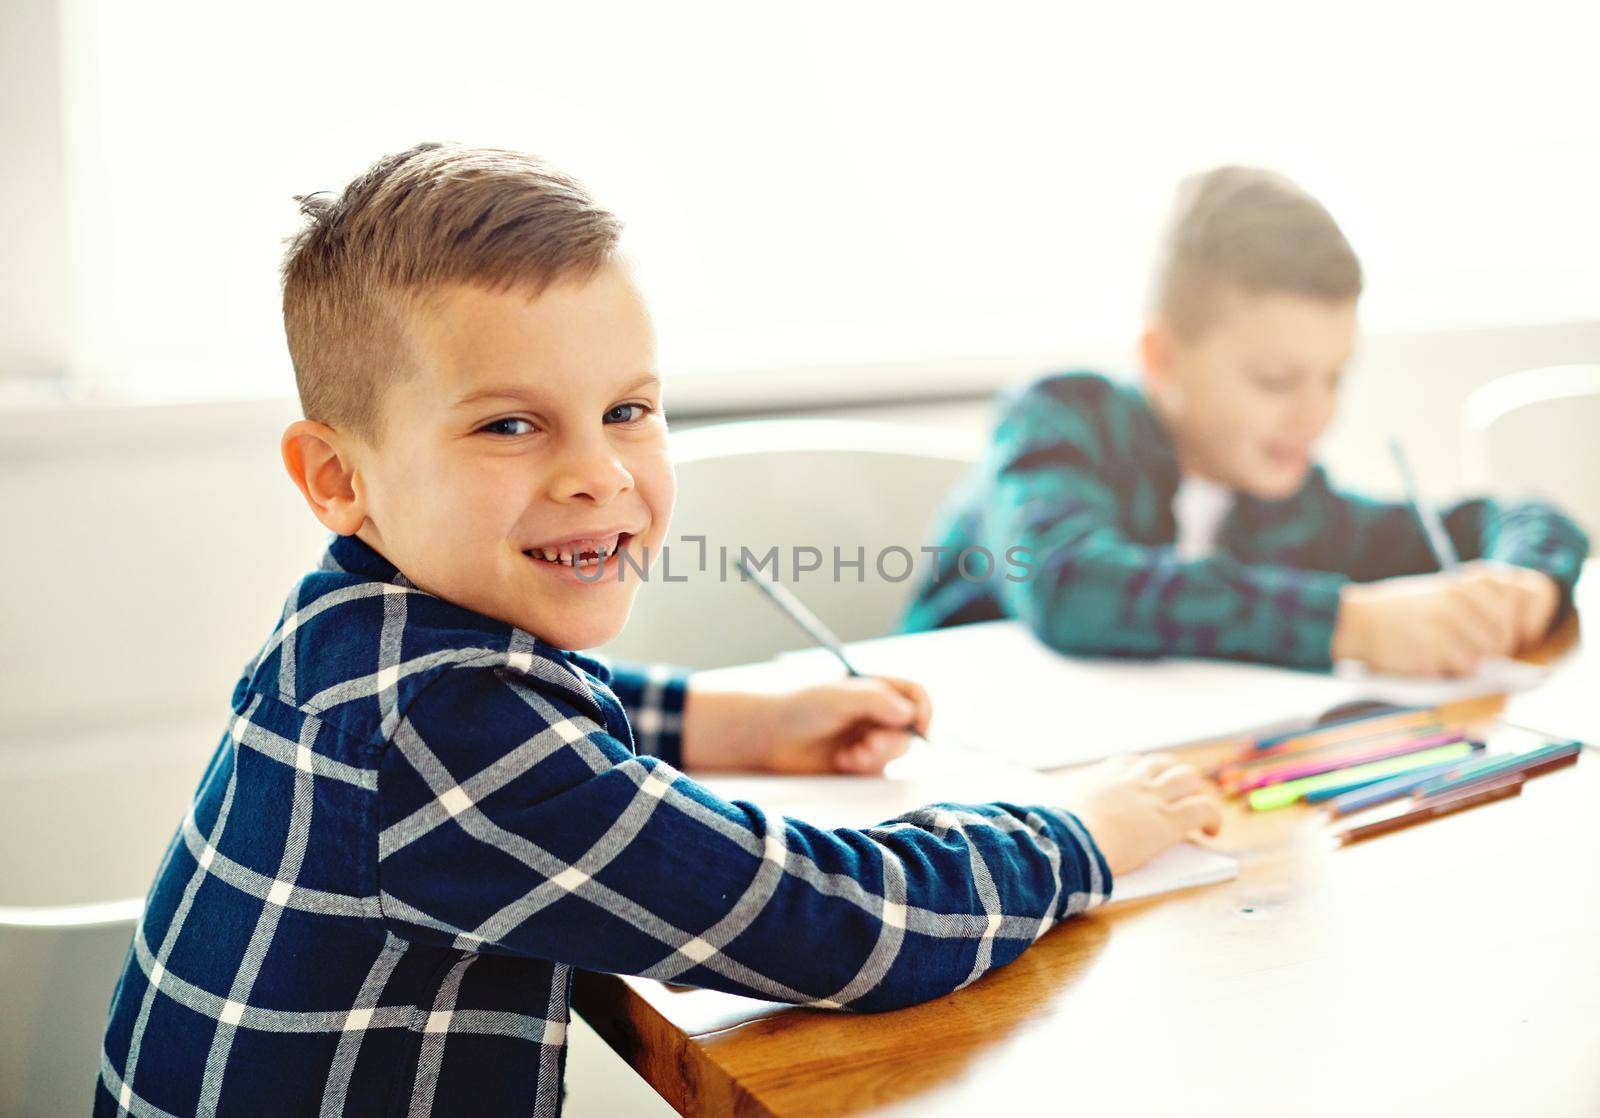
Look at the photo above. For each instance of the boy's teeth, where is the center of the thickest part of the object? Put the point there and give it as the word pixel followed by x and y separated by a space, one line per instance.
pixel 583 556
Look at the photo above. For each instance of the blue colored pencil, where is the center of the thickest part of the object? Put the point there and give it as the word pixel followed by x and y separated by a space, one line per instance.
pixel 1371 793
pixel 1427 515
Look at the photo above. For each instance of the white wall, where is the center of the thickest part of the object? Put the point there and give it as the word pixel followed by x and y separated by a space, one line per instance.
pixel 36 303
pixel 833 184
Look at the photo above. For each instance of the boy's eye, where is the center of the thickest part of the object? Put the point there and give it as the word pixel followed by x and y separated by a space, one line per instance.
pixel 626 413
pixel 506 426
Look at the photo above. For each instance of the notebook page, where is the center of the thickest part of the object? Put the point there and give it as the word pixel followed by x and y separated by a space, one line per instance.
pixel 998 690
pixel 1494 677
pixel 1183 867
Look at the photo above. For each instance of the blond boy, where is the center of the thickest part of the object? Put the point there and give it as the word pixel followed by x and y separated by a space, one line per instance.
pixel 427 810
pixel 1188 516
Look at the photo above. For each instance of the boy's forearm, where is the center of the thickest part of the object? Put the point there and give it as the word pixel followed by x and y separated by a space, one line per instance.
pixel 723 729
pixel 1539 537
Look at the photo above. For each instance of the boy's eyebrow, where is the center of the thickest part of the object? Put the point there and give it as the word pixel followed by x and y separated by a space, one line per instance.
pixel 517 392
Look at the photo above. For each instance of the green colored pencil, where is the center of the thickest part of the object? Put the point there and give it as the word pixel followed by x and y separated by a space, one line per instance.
pixel 1282 795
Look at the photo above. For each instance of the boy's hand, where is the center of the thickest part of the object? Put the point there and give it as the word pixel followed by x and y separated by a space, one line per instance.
pixel 1534 596
pixel 1136 807
pixel 1446 623
pixel 856 725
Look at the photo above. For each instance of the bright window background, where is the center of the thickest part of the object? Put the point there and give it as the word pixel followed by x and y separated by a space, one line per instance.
pixel 833 183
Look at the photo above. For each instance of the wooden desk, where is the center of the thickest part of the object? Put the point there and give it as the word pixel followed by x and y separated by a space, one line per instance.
pixel 1451 969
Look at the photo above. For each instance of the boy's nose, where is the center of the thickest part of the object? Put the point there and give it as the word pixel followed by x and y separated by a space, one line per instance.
pixel 591 472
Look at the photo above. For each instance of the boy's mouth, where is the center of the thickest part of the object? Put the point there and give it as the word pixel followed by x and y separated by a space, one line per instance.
pixel 1287 454
pixel 586 554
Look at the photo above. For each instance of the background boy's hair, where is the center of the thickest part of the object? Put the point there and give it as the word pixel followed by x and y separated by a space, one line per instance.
pixel 1252 231
pixel 415 221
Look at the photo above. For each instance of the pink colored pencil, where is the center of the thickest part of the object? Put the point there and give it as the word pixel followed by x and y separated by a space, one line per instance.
pixel 1348 760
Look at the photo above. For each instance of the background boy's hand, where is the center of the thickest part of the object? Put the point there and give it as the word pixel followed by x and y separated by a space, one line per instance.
pixel 1446 623
pixel 1136 807
pixel 856 725
pixel 1534 596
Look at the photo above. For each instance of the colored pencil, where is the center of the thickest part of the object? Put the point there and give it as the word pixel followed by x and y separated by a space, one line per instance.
pixel 1282 795
pixel 1509 784
pixel 1343 732
pixel 1244 766
pixel 1343 799
pixel 1312 728
pixel 808 622
pixel 1530 763
pixel 1439 542
pixel 1316 766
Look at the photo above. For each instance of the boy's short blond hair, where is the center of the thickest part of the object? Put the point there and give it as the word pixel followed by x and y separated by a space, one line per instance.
pixel 1247 230
pixel 413 223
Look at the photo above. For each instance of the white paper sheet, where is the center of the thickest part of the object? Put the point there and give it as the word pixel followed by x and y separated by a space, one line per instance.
pixel 1566 705
pixel 1185 866
pixel 998 690
pixel 1494 677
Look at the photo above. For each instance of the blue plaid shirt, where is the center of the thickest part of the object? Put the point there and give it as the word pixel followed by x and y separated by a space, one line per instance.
pixel 420 820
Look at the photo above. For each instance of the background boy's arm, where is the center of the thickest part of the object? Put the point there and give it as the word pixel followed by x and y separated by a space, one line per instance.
pixel 1094 590
pixel 1521 563
pixel 510 822
pixel 1371 540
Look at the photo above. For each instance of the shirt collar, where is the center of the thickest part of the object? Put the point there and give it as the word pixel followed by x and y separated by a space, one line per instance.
pixel 354 555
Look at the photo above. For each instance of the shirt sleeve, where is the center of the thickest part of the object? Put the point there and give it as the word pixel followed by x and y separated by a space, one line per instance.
pixel 1382 539
pixel 1092 589
pixel 512 823
pixel 653 697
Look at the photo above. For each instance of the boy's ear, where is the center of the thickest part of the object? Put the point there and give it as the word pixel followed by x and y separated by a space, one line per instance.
pixel 1156 355
pixel 319 460
pixel 1155 351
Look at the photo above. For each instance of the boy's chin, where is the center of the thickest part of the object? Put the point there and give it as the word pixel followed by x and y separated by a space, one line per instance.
pixel 1276 485
pixel 576 634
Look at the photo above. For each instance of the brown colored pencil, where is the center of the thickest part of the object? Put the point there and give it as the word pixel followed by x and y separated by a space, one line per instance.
pixel 1510 784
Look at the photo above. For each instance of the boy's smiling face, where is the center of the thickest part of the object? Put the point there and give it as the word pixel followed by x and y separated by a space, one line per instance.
pixel 1248 397
pixel 531 432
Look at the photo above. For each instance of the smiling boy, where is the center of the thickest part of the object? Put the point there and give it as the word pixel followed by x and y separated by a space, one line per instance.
pixel 427 810
pixel 1188 518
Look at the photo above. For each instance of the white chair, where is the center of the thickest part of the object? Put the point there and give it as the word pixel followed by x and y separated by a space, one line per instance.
pixel 60 965
pixel 791 484
pixel 1538 432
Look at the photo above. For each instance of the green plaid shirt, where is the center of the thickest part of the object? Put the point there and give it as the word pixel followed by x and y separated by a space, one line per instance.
pixel 1082 475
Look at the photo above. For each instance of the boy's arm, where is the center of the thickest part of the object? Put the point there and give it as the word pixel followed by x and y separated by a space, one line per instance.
pixel 512 823
pixel 653 697
pixel 1373 540
pixel 1094 590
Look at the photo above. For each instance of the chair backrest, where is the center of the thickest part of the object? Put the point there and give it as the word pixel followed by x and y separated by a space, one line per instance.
pixel 1538 432
pixel 864 488
pixel 59 967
